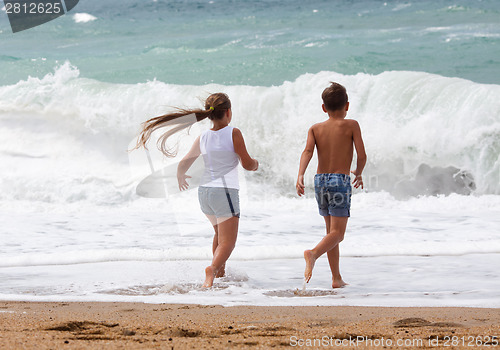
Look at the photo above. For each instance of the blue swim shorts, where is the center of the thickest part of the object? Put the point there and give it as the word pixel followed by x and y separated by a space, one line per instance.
pixel 219 201
pixel 333 194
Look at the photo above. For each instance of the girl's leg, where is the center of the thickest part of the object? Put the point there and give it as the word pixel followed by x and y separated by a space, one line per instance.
pixel 215 242
pixel 213 221
pixel 332 239
pixel 227 233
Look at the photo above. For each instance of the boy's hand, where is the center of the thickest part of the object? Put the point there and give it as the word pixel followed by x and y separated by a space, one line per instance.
pixel 181 179
pixel 300 185
pixel 358 180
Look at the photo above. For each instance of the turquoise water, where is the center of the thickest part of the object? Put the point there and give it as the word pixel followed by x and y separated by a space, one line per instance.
pixel 258 42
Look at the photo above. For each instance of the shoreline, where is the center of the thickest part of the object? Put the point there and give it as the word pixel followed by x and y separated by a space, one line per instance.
pixel 118 325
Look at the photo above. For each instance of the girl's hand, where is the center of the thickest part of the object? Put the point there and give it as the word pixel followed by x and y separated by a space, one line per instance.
pixel 256 167
pixel 300 185
pixel 181 179
pixel 358 180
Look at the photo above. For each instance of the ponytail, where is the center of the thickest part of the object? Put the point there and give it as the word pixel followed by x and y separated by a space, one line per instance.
pixel 216 106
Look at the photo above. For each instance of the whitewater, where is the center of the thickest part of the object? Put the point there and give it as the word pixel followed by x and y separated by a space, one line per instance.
pixel 73 226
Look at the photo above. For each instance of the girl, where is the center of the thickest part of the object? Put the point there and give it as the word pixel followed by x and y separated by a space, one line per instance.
pixel 222 147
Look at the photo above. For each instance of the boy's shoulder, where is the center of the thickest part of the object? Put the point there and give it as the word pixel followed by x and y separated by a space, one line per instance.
pixel 327 123
pixel 352 123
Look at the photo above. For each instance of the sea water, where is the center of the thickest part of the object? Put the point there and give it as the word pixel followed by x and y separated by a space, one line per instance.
pixel 423 80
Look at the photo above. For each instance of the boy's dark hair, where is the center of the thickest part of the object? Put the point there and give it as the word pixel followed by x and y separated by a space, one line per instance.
pixel 334 97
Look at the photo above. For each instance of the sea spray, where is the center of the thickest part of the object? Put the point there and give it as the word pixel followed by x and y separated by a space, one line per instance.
pixel 76 131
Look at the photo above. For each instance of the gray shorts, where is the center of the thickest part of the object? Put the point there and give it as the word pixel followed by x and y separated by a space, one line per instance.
pixel 219 201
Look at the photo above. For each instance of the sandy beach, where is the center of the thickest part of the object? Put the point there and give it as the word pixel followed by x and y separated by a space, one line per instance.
pixel 74 325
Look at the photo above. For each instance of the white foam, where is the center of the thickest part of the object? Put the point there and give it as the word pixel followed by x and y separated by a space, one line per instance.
pixel 82 17
pixel 400 7
pixel 147 231
pixel 75 131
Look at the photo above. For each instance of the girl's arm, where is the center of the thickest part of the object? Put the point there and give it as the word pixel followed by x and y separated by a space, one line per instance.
pixel 186 163
pixel 305 158
pixel 247 162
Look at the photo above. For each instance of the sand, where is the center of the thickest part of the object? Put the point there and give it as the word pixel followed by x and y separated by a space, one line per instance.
pixel 75 325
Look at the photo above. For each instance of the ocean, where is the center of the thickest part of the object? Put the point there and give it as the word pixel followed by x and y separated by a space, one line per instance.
pixel 423 79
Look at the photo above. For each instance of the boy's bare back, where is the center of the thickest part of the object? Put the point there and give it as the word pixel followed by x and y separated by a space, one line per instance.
pixel 334 140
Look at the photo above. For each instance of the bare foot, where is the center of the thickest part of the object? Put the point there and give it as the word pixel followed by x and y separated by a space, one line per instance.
pixel 338 283
pixel 221 272
pixel 310 260
pixel 209 277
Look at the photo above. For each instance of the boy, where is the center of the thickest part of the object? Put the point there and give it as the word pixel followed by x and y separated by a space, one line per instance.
pixel 334 141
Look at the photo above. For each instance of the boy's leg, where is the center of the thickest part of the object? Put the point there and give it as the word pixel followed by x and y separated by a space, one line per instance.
pixel 227 234
pixel 334 236
pixel 333 259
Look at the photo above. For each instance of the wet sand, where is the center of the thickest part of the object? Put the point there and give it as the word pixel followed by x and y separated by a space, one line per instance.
pixel 68 325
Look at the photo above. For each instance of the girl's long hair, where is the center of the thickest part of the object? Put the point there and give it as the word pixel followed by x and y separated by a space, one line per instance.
pixel 216 106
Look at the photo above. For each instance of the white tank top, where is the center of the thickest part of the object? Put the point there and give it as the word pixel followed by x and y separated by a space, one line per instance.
pixel 221 162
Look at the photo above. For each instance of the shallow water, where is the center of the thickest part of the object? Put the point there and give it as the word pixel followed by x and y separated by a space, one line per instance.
pixel 397 253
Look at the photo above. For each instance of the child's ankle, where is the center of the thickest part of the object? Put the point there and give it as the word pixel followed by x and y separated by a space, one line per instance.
pixel 315 253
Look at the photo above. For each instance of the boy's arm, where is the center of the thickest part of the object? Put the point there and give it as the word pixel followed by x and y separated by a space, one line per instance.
pixel 305 158
pixel 186 163
pixel 361 155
